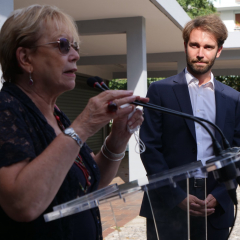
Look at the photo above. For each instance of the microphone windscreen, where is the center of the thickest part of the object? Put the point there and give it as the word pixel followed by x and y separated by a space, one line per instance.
pixel 101 82
pixel 98 79
pixel 91 81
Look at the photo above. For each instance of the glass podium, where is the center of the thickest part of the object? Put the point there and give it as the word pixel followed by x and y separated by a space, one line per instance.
pixel 168 188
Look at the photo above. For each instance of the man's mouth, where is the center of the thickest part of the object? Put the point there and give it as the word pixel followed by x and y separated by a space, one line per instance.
pixel 200 62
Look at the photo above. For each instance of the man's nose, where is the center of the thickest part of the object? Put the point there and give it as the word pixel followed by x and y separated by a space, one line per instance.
pixel 200 53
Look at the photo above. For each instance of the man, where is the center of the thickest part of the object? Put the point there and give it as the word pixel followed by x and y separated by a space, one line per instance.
pixel 172 141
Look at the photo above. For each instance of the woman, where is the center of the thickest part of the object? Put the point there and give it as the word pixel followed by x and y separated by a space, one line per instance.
pixel 43 158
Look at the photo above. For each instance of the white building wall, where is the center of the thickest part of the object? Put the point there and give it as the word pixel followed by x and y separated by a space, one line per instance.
pixel 225 3
pixel 227 10
pixel 228 17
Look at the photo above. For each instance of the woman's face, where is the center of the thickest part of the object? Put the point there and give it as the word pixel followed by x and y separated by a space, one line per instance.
pixel 54 72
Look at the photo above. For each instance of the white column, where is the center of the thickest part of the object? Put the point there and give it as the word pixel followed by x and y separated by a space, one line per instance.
pixel 6 7
pixel 137 81
pixel 134 27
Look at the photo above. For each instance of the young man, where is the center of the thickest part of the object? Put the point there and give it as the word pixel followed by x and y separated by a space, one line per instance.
pixel 172 141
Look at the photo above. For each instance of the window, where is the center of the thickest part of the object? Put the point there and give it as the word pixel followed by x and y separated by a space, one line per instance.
pixel 237 20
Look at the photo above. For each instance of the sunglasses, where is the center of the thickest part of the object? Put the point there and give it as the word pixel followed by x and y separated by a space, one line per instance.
pixel 64 45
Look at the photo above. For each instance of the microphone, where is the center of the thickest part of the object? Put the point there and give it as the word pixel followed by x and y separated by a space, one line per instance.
pixel 101 82
pixel 92 82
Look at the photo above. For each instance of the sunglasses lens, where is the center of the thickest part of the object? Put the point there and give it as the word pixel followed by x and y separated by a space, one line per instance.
pixel 64 45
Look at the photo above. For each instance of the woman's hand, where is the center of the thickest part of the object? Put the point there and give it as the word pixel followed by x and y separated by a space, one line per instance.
pixel 96 114
pixel 118 139
pixel 120 135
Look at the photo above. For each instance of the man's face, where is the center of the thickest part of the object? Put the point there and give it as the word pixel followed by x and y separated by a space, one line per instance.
pixel 201 51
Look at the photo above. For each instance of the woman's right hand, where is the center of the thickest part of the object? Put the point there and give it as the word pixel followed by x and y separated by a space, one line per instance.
pixel 96 113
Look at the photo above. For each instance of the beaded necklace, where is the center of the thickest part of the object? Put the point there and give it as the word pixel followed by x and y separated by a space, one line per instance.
pixel 78 161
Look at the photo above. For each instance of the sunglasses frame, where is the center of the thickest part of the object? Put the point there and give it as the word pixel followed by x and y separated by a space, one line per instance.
pixel 74 45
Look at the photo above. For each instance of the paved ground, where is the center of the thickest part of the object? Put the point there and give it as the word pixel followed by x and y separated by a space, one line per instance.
pixel 124 211
pixel 236 230
pixel 130 226
pixel 135 229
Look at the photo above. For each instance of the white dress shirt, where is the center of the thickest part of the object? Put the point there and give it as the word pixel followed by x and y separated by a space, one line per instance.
pixel 204 106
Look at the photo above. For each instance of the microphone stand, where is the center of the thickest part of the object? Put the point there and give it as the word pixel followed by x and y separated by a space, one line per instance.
pixel 225 174
pixel 104 87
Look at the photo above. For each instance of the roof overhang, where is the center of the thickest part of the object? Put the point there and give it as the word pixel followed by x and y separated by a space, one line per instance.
pixel 106 53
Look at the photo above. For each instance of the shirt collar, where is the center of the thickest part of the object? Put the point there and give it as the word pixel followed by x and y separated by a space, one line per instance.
pixel 190 78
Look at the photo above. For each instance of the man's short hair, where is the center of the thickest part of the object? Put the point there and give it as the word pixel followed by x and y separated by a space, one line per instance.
pixel 209 23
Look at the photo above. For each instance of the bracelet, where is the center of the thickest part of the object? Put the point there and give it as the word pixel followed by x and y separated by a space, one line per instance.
pixel 71 133
pixel 111 156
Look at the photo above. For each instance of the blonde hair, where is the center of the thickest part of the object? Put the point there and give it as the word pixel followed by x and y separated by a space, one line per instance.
pixel 209 23
pixel 24 28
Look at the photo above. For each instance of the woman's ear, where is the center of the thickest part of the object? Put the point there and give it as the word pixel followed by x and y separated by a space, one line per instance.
pixel 24 59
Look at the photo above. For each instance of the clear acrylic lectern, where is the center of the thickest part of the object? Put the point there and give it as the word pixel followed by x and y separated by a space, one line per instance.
pixel 165 184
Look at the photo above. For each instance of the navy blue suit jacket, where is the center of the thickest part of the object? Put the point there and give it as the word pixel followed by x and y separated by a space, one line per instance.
pixel 171 142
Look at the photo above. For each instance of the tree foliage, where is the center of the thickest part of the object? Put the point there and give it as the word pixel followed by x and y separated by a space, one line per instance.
pixel 118 84
pixel 232 81
pixel 121 84
pixel 196 8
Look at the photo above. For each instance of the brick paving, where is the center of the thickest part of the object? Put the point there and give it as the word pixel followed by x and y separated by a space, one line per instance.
pixel 124 212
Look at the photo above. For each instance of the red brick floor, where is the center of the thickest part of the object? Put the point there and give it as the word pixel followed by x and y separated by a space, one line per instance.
pixel 124 211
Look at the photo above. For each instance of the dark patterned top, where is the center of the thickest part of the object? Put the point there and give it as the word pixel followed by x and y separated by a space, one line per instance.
pixel 25 133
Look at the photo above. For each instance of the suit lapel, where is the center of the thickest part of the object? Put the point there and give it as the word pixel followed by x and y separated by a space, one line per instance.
pixel 220 107
pixel 180 89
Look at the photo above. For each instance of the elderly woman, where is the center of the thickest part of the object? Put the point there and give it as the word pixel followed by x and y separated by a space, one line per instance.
pixel 44 160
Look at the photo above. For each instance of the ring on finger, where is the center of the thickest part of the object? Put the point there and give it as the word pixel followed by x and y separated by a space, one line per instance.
pixel 112 106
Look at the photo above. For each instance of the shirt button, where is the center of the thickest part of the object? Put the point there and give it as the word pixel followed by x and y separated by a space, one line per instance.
pixel 198 110
pixel 94 165
pixel 198 143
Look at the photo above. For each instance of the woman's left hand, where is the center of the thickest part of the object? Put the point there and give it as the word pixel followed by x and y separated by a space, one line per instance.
pixel 120 135
pixel 117 140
